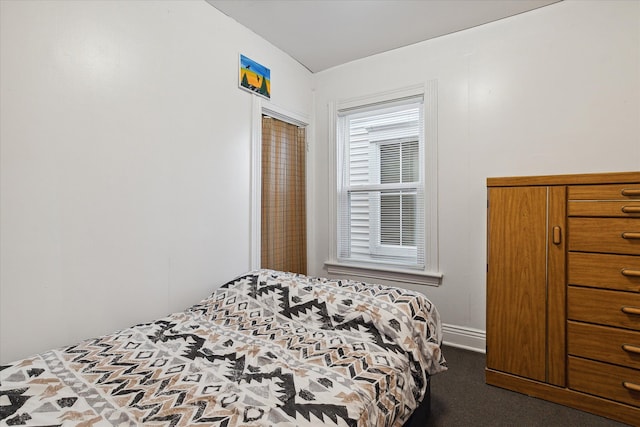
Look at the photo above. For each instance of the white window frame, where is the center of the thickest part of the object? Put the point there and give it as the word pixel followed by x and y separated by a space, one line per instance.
pixel 376 247
pixel 430 274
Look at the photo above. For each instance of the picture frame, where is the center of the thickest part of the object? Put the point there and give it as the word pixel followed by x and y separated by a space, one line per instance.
pixel 254 77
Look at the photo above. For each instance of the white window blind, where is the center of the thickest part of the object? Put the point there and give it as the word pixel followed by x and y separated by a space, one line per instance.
pixel 381 184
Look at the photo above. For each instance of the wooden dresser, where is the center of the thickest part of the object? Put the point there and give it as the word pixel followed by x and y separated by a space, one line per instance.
pixel 563 290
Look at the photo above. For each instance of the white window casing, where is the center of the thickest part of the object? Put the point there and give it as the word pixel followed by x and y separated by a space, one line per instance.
pixel 384 207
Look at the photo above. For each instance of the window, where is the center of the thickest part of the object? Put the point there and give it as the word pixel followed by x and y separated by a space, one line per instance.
pixel 385 187
pixel 399 164
pixel 381 208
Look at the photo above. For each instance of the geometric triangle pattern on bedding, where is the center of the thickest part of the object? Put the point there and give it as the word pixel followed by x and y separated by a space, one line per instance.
pixel 266 349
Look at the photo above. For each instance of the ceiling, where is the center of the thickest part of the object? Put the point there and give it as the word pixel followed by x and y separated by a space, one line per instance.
pixel 321 34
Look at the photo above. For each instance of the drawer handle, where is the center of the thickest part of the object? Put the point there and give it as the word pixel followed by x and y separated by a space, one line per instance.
pixel 630 235
pixel 557 235
pixel 631 310
pixel 630 348
pixel 630 273
pixel 631 386
pixel 630 209
pixel 630 192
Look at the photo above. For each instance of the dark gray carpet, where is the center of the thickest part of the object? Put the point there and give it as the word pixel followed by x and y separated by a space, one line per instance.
pixel 460 397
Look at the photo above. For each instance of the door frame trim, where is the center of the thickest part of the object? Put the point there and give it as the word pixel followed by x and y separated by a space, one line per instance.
pixel 260 107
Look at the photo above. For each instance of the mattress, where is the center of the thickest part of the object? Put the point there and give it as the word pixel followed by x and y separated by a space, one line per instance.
pixel 265 349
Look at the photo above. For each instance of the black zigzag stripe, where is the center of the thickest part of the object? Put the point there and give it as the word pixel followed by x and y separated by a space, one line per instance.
pixel 173 419
pixel 288 398
pixel 16 400
pixel 238 363
pixel 193 349
pixel 356 323
pixel 319 410
pixel 252 278
pixel 286 382
pixel 293 310
pixel 155 408
pixel 221 421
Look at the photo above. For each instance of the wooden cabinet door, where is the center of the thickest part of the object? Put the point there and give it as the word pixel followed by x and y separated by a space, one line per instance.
pixel 516 281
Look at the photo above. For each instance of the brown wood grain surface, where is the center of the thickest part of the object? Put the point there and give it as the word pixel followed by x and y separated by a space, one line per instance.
pixel 627 191
pixel 605 344
pixel 605 208
pixel 604 380
pixel 604 235
pixel 516 281
pixel 603 307
pixel 606 271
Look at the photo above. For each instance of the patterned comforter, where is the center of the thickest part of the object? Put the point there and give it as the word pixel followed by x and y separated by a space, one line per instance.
pixel 266 349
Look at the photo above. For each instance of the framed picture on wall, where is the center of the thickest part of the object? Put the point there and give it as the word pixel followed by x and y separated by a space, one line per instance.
pixel 255 77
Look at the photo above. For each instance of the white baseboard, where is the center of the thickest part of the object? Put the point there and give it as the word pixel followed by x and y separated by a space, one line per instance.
pixel 463 337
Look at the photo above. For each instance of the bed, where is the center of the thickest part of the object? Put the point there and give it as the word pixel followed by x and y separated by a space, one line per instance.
pixel 265 349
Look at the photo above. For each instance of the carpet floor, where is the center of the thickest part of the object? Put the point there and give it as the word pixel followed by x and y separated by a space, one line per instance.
pixel 460 397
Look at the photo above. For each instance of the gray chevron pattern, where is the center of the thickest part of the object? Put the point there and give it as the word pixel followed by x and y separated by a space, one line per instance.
pixel 266 349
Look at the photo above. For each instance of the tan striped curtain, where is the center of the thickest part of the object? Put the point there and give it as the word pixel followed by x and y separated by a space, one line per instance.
pixel 284 224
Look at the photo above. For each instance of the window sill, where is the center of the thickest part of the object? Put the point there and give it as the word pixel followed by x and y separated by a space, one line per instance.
pixel 385 273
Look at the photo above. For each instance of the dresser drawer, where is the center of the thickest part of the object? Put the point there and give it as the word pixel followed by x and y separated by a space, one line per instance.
pixel 604 380
pixel 604 192
pixel 603 343
pixel 610 208
pixel 604 307
pixel 618 272
pixel 607 235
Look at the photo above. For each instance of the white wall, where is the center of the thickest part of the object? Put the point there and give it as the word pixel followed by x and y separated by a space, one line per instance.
pixel 125 162
pixel 125 148
pixel 552 91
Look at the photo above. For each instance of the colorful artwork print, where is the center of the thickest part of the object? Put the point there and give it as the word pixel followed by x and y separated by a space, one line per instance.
pixel 255 77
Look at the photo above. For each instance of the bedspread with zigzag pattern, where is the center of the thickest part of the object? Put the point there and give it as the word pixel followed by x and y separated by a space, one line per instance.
pixel 266 349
